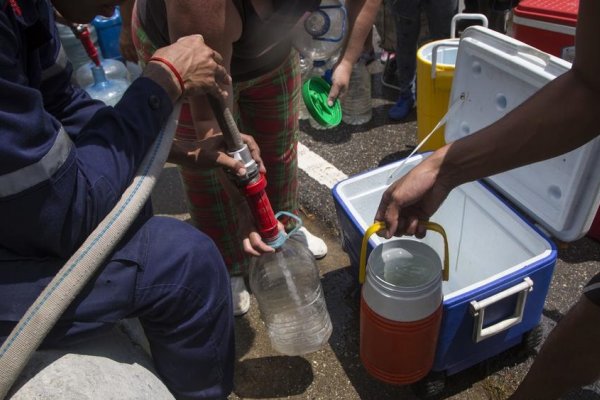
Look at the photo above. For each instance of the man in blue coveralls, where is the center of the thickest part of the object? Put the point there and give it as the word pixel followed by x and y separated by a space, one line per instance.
pixel 65 160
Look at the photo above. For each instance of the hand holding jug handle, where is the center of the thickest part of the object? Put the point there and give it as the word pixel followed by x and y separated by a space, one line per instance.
pixel 379 225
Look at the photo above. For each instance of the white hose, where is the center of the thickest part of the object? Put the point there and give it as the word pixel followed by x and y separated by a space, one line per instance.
pixel 73 276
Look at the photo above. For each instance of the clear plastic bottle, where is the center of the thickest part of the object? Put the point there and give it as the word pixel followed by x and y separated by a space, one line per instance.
pixel 356 104
pixel 322 33
pixel 113 69
pixel 108 91
pixel 292 305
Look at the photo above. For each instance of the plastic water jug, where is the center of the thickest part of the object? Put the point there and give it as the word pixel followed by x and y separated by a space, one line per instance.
pixel 108 31
pixel 108 91
pixel 321 33
pixel 356 104
pixel 113 69
pixel 288 289
pixel 401 306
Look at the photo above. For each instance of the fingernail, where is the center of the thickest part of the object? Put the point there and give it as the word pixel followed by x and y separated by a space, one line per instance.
pixel 330 103
pixel 241 171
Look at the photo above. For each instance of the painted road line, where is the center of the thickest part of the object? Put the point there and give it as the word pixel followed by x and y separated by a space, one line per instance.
pixel 318 168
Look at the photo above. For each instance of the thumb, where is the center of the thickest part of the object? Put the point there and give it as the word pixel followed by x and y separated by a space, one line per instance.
pixel 231 164
pixel 334 93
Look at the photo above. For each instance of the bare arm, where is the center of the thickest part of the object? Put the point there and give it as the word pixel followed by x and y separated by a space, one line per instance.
pixel 560 117
pixel 125 43
pixel 569 104
pixel 220 25
pixel 361 15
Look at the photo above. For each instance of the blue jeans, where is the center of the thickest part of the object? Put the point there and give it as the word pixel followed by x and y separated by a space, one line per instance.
pixel 169 275
pixel 407 16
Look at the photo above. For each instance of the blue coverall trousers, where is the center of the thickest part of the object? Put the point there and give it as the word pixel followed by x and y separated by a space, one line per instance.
pixel 165 272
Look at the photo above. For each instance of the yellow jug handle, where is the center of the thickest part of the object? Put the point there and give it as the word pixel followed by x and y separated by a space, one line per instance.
pixel 379 225
pixel 432 226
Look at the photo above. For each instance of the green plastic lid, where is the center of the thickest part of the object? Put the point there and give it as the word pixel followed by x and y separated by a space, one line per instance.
pixel 314 92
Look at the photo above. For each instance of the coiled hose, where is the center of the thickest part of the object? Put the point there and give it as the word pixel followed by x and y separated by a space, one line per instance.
pixel 39 319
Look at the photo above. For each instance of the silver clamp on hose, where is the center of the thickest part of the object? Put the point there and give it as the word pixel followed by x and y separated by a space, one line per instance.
pixel 243 155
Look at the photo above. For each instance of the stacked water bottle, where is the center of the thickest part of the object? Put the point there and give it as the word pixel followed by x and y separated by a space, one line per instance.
pixel 103 75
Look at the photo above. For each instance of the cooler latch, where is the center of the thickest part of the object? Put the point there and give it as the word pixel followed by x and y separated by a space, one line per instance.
pixel 478 310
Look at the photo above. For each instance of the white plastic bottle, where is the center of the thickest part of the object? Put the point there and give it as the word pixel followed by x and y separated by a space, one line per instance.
pixel 292 305
pixel 356 104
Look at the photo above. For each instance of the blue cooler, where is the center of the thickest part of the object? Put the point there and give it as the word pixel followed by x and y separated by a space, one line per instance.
pixel 499 229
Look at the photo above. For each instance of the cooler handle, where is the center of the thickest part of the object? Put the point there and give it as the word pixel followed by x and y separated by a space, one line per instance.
pixel 478 310
pixel 434 52
pixel 379 225
pixel 534 55
pixel 466 16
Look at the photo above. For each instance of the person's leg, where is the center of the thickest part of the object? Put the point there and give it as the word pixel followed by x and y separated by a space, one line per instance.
pixel 570 356
pixel 212 208
pixel 183 300
pixel 439 17
pixel 169 275
pixel 268 110
pixel 408 25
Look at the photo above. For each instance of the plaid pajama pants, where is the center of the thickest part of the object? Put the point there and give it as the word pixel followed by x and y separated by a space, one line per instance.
pixel 266 108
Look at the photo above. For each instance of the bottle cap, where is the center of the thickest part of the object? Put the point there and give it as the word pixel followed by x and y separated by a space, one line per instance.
pixel 314 92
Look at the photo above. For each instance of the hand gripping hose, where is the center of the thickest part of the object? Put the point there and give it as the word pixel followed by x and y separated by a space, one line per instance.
pixel 253 185
pixel 73 276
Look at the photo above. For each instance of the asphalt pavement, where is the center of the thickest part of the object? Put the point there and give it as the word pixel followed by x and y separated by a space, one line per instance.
pixel 335 372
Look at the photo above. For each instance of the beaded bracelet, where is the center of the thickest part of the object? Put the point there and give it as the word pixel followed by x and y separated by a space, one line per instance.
pixel 173 70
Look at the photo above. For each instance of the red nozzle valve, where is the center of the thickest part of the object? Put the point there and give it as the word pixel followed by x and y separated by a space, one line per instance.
pixel 261 209
pixel 83 34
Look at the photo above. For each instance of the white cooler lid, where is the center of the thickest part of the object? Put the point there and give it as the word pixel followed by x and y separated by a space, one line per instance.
pixel 495 73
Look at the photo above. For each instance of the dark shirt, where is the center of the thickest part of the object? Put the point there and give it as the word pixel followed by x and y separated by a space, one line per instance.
pixel 64 159
pixel 263 45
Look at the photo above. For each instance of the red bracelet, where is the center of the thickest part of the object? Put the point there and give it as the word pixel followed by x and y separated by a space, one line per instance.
pixel 173 70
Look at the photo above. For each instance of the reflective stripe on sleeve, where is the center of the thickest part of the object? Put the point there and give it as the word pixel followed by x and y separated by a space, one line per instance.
pixel 29 176
pixel 59 65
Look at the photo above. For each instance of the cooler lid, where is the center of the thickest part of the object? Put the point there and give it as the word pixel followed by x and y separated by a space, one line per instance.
pixel 558 11
pixel 494 73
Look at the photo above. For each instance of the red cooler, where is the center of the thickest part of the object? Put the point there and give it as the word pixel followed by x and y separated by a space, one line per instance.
pixel 548 25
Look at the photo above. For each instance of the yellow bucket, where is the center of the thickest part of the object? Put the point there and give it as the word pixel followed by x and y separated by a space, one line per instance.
pixel 435 70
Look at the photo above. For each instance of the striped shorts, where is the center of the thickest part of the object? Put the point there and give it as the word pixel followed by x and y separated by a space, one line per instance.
pixel 267 109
